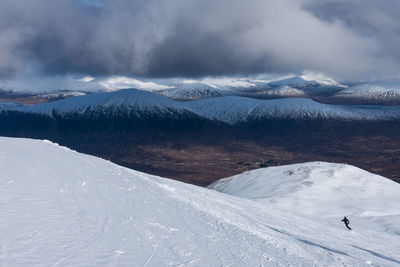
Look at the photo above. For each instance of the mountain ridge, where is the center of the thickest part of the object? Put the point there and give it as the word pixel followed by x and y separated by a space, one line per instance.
pixel 228 109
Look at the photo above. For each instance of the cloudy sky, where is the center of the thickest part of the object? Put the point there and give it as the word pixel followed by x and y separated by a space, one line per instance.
pixel 346 39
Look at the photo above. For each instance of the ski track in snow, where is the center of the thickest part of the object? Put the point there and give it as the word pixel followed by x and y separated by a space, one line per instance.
pixel 62 208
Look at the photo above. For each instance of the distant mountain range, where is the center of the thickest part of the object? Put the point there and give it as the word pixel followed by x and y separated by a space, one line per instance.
pixel 199 141
pixel 139 104
pixel 319 88
pixel 384 92
pixel 297 86
pixel 314 86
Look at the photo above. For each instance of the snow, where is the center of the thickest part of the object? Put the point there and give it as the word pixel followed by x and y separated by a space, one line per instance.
pixel 177 88
pixel 191 91
pixel 232 109
pixel 63 94
pixel 242 83
pixel 226 82
pixel 317 189
pixel 122 82
pixel 321 79
pixel 120 101
pixel 62 208
pixel 311 84
pixel 284 91
pixel 228 109
pixel 380 90
pixel 284 86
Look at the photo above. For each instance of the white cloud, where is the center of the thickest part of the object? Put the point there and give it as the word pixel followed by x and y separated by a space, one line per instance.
pixel 87 79
pixel 122 82
pixel 320 78
pixel 189 81
pixel 228 82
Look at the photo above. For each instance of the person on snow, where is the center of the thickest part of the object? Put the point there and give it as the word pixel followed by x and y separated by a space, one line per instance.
pixel 346 222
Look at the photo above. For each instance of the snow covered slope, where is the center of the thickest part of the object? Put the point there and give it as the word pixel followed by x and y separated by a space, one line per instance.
pixel 310 84
pixel 290 86
pixel 310 188
pixel 322 191
pixel 191 91
pixel 62 208
pixel 284 91
pixel 110 104
pixel 321 79
pixel 229 109
pixel 381 91
pixel 234 109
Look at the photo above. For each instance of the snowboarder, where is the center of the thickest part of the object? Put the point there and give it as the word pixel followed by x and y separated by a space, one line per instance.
pixel 346 222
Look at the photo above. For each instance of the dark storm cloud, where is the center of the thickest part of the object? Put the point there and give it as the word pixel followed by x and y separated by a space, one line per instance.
pixel 376 20
pixel 202 37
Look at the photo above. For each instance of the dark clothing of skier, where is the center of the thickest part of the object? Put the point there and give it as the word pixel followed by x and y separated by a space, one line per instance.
pixel 346 222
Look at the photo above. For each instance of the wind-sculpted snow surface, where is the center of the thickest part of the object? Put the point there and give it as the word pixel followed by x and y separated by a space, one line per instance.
pixel 62 208
pixel 317 188
pixel 324 192
pixel 229 109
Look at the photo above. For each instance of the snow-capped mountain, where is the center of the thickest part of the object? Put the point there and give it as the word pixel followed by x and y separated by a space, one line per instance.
pixel 375 91
pixel 296 81
pixel 57 94
pixel 307 84
pixel 321 79
pixel 267 86
pixel 120 103
pixel 281 92
pixel 230 109
pixel 61 94
pixel 68 209
pixel 191 91
pixel 323 190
